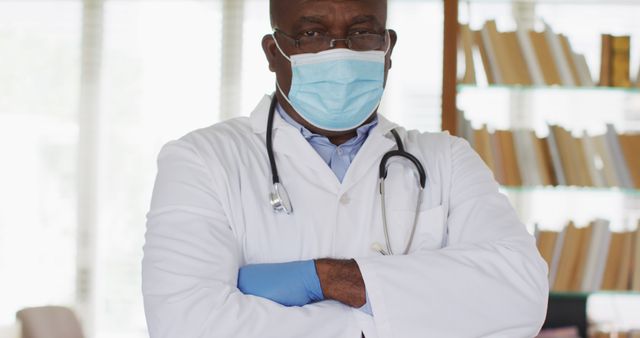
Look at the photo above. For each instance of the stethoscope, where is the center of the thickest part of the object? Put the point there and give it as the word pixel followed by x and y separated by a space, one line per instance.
pixel 281 202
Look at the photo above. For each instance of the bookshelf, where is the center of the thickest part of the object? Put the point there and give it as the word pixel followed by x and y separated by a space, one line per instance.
pixel 575 101
pixel 567 89
pixel 568 294
pixel 570 189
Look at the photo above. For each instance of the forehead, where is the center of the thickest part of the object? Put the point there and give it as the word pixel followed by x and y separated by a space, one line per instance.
pixel 286 12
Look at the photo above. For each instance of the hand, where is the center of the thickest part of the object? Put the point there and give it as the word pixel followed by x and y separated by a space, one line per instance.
pixel 341 280
pixel 289 284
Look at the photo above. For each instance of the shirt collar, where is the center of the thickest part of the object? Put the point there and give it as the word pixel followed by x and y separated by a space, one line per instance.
pixel 361 133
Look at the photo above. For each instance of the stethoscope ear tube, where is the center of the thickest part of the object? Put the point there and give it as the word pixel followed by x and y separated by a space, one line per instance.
pixel 402 153
pixel 382 176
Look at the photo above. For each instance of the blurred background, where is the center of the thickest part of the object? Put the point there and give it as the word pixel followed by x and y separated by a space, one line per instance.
pixel 91 89
pixel 89 92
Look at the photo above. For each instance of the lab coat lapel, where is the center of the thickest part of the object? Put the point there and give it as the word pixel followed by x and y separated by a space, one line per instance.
pixel 289 143
pixel 377 144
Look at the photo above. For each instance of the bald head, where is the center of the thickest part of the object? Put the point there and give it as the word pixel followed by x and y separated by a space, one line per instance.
pixel 282 11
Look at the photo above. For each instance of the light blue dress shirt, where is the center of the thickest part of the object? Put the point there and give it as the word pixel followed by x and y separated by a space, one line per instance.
pixel 337 157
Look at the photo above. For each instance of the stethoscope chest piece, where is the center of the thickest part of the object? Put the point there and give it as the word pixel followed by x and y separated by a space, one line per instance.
pixel 279 199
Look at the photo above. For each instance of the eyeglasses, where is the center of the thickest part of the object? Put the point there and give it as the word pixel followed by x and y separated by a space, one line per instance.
pixel 320 42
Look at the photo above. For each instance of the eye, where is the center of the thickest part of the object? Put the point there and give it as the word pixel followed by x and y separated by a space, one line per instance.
pixel 361 32
pixel 311 34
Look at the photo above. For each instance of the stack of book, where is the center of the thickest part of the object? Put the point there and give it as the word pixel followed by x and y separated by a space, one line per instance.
pixel 572 332
pixel 532 58
pixel 591 258
pixel 564 332
pixel 614 70
pixel 521 158
pixel 616 334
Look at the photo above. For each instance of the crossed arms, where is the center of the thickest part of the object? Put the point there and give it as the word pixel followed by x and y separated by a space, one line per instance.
pixel 303 282
pixel 490 274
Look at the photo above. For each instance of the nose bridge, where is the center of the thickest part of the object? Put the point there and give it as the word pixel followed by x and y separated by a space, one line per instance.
pixel 340 43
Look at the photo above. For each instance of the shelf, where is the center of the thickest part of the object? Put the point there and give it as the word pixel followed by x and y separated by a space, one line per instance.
pixel 557 2
pixel 580 294
pixel 520 88
pixel 570 189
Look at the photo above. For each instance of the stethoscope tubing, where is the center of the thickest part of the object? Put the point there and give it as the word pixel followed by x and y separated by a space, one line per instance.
pixel 269 141
pixel 280 199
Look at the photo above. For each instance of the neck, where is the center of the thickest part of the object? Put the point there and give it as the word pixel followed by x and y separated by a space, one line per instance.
pixel 340 139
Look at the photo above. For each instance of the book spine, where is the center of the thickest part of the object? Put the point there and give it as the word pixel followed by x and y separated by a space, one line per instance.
pixel 479 38
pixel 555 158
pixel 557 253
pixel 494 71
pixel 466 44
pixel 605 241
pixel 558 56
pixel 531 60
pixel 592 256
pixel 568 56
pixel 620 55
pixel 605 61
pixel 583 70
pixel 620 164
pixel 596 176
pixel 635 278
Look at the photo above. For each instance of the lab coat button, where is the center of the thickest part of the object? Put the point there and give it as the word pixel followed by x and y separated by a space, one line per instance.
pixel 345 199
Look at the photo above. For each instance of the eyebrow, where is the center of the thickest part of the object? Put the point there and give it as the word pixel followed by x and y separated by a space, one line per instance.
pixel 311 19
pixel 365 19
pixel 356 20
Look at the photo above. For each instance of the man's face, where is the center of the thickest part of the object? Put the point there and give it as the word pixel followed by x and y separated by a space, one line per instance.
pixel 335 18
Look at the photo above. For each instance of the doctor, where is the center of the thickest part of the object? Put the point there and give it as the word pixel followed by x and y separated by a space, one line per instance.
pixel 275 225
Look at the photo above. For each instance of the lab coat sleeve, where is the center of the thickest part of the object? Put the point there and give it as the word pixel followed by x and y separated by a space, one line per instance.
pixel 489 281
pixel 191 261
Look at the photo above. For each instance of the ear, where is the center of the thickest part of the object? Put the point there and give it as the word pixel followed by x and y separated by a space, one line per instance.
pixel 270 51
pixel 394 39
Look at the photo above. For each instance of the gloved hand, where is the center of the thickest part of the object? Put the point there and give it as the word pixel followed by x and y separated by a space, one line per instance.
pixel 289 284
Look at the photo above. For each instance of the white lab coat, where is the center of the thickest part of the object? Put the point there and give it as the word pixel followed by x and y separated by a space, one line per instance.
pixel 473 270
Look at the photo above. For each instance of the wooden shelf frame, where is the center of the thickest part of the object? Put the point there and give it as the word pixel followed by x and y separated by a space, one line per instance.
pixel 450 67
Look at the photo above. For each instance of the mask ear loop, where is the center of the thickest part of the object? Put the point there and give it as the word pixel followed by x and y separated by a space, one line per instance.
pixel 388 42
pixel 285 96
pixel 273 35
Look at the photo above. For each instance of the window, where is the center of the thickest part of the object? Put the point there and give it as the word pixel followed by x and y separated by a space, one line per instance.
pixel 414 88
pixel 159 70
pixel 38 133
pixel 161 80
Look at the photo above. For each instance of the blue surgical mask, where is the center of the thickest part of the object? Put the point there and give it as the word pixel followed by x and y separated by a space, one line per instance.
pixel 338 89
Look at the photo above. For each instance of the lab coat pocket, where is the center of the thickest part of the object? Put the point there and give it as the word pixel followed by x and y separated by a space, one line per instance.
pixel 429 233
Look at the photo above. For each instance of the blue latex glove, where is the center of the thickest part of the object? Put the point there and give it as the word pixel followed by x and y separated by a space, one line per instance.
pixel 289 284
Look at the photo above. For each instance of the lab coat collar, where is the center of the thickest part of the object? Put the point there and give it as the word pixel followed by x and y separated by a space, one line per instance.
pixel 378 142
pixel 289 142
pixel 259 116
